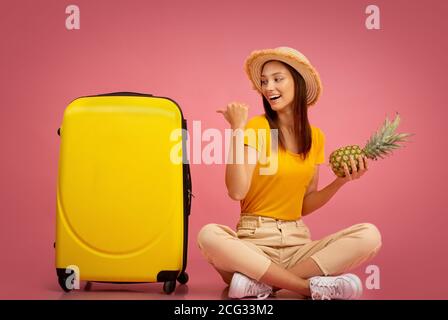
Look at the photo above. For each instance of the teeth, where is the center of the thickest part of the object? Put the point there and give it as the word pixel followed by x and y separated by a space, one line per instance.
pixel 273 97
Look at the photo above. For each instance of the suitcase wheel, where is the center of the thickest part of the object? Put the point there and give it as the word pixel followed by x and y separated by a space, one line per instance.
pixel 169 286
pixel 183 278
pixel 88 286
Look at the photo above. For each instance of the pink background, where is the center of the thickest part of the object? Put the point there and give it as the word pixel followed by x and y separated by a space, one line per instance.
pixel 193 51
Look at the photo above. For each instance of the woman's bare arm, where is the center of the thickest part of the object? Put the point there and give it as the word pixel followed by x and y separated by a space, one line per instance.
pixel 239 170
pixel 314 199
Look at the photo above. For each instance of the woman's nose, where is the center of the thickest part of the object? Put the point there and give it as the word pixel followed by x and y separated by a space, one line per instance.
pixel 270 86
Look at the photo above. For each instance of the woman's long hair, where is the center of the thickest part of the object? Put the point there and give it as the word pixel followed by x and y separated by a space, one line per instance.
pixel 302 128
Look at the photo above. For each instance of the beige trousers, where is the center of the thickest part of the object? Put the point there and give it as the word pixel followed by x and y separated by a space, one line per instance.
pixel 260 240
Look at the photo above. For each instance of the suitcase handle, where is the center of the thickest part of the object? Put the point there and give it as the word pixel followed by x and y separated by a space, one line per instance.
pixel 125 93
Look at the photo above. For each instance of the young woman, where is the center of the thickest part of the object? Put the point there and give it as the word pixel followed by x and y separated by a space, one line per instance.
pixel 271 248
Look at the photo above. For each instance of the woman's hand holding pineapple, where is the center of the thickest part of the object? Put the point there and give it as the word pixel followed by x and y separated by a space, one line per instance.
pixel 356 173
pixel 379 145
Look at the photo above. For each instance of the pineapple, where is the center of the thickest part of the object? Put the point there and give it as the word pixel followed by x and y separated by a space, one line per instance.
pixel 380 144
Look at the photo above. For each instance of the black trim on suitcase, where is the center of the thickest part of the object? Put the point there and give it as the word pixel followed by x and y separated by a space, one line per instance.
pixel 187 190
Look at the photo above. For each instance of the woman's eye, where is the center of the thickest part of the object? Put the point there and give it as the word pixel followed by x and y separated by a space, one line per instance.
pixel 265 82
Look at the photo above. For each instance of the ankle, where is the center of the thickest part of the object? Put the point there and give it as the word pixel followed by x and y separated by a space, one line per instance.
pixel 305 289
pixel 307 284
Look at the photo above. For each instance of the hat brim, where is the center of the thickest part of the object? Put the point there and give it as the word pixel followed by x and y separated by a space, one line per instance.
pixel 254 64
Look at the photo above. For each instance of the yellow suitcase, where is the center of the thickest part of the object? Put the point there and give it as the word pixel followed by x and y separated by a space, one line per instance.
pixel 122 202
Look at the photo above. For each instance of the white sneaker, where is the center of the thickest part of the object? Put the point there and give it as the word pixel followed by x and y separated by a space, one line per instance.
pixel 344 287
pixel 242 286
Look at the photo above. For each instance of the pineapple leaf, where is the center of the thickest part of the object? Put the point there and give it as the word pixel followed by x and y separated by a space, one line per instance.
pixel 383 141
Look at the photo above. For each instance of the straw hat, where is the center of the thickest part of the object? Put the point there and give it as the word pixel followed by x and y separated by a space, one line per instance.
pixel 254 63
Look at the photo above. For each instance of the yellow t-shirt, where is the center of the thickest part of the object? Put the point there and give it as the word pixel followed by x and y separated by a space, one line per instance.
pixel 279 195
